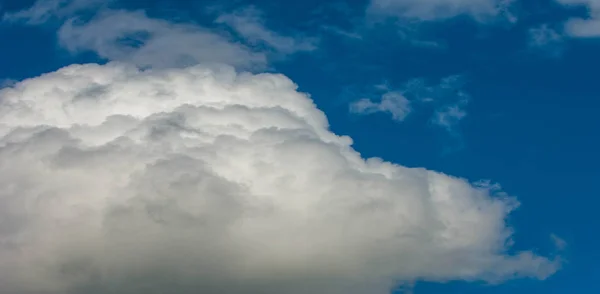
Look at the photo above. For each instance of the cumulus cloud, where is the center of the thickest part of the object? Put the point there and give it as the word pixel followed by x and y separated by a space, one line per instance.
pixel 393 103
pixel 430 10
pixel 149 175
pixel 206 180
pixel 249 23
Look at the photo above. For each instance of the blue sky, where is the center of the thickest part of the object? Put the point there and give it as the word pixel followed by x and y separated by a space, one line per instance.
pixel 525 98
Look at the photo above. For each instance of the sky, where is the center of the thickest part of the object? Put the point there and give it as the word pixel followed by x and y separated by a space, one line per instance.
pixel 375 146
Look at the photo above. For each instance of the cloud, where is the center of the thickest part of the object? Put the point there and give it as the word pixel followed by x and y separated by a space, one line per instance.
pixel 342 32
pixel 43 11
pixel 588 27
pixel 206 180
pixel 430 10
pixel 447 98
pixel 546 39
pixel 134 37
pixel 449 116
pixel 393 103
pixel 444 105
pixel 250 25
pixel 560 243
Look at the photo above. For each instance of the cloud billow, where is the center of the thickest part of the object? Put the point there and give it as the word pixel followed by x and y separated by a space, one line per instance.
pixel 207 180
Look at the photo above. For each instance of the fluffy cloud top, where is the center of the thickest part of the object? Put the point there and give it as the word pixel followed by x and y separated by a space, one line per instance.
pixel 204 180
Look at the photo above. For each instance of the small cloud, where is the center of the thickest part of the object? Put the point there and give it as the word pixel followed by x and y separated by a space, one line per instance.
pixel 447 98
pixel 449 116
pixel 43 11
pixel 559 243
pixel 546 39
pixel 446 101
pixel 342 32
pixel 393 103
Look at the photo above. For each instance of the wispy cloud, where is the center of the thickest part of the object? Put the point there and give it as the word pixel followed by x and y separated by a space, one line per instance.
pixel 546 39
pixel 449 116
pixel 450 102
pixel 133 36
pixel 432 10
pixel 250 25
pixel 559 243
pixel 342 32
pixel 447 98
pixel 43 11
pixel 446 102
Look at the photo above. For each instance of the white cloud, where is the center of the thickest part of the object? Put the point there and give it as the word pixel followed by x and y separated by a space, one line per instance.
pixel 429 10
pixel 249 23
pixel 392 102
pixel 132 36
pixel 136 38
pixel 204 180
pixel 588 27
pixel 447 99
